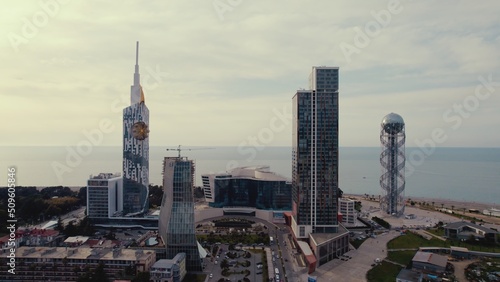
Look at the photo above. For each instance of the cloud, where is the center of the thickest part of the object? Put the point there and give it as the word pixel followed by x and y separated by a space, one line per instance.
pixel 221 79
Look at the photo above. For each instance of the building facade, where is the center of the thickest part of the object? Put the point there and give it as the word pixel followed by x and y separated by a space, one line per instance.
pixel 169 270
pixel 68 264
pixel 176 221
pixel 348 211
pixel 136 150
pixel 104 195
pixel 315 160
pixel 315 154
pixel 255 187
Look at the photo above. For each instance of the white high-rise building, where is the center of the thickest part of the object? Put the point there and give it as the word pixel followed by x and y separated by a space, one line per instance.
pixel 104 195
pixel 348 211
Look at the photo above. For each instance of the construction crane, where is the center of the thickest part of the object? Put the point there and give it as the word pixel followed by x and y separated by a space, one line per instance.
pixel 178 149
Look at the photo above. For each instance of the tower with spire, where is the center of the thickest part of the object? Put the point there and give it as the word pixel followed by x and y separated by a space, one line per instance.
pixel 136 149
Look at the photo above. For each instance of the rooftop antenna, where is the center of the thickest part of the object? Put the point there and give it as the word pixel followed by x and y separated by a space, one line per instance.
pixel 136 73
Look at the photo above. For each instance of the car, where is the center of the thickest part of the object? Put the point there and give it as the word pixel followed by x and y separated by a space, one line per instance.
pixel 211 275
pixel 216 262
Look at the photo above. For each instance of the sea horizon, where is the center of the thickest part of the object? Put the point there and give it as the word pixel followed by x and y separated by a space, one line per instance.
pixel 467 174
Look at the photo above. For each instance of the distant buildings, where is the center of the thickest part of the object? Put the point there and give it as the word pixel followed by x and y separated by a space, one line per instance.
pixel 467 230
pixel 392 160
pixel 315 152
pixel 492 212
pixel 176 222
pixel 136 150
pixel 104 195
pixel 66 264
pixel 32 237
pixel 169 270
pixel 255 187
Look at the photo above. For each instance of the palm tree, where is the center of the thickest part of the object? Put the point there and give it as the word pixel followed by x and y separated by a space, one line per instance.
pixel 452 206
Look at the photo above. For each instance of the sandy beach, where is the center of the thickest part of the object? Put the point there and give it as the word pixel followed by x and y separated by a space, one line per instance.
pixel 427 216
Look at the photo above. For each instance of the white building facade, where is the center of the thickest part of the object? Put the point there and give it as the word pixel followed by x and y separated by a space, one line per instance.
pixel 104 195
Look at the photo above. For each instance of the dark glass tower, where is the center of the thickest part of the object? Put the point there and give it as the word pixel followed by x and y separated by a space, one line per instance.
pixel 136 150
pixel 176 222
pixel 315 154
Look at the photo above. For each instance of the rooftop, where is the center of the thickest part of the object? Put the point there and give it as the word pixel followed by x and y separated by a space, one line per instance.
pixel 80 253
pixel 431 258
pixel 321 238
pixel 168 263
pixel 461 224
pixel 106 175
pixel 76 240
pixel 409 275
pixel 253 172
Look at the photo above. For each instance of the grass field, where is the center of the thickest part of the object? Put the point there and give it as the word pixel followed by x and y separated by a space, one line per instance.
pixel 402 257
pixel 413 241
pixel 384 272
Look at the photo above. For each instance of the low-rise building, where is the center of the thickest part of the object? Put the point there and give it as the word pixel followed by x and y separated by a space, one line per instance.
pixel 465 230
pixel 169 270
pixel 67 264
pixel 429 262
pixel 407 275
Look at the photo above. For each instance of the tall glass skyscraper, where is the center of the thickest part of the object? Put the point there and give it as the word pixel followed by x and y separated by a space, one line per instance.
pixel 136 150
pixel 315 153
pixel 176 222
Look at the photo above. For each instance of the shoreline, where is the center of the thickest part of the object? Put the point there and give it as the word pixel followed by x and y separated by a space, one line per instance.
pixel 446 203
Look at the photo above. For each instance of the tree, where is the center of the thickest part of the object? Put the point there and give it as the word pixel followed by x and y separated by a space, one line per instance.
pixel 59 226
pixel 142 277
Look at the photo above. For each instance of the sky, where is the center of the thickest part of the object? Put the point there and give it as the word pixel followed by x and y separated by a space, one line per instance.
pixel 223 72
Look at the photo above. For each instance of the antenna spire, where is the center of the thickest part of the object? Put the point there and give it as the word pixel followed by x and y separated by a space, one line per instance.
pixel 137 57
pixel 136 87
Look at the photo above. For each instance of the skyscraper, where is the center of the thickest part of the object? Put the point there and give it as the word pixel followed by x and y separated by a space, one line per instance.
pixel 135 149
pixel 176 222
pixel 392 160
pixel 315 154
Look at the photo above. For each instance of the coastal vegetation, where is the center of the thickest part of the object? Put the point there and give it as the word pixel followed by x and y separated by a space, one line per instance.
pixel 37 205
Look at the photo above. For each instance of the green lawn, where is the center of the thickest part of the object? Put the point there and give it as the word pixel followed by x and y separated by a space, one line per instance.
pixel 437 232
pixel 402 257
pixel 384 272
pixel 413 241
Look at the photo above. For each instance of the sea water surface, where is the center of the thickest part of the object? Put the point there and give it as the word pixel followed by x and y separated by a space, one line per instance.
pixel 463 174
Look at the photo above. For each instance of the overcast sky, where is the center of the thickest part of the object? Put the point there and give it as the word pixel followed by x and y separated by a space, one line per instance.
pixel 223 72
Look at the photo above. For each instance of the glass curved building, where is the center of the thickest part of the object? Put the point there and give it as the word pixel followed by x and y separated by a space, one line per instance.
pixel 176 222
pixel 255 187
